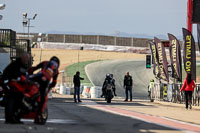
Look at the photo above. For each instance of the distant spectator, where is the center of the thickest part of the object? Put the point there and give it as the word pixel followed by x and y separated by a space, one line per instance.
pixel 150 87
pixel 77 84
pixel 113 83
pixel 188 87
pixel 128 84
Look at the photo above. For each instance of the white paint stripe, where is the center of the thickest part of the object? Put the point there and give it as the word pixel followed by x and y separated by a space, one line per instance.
pixel 182 122
pixel 56 121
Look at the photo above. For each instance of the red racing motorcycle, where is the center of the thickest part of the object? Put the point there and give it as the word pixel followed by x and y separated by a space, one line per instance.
pixel 27 97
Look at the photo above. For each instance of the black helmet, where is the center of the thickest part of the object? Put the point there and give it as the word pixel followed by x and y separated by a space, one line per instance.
pixel 54 58
pixel 107 75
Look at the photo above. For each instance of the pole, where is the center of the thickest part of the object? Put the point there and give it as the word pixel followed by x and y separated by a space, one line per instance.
pixel 189 15
pixel 78 59
pixel 40 53
pixel 28 28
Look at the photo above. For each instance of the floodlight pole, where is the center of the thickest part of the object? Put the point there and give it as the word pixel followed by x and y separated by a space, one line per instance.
pixel 27 21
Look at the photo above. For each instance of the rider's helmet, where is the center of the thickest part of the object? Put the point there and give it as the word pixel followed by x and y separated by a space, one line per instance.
pixel 25 59
pixel 54 58
pixel 107 75
pixel 111 76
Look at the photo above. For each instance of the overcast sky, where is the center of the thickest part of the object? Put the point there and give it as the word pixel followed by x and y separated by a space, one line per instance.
pixel 151 17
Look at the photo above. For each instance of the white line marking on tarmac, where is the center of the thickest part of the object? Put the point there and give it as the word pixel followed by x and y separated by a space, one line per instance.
pixel 56 121
pixel 94 105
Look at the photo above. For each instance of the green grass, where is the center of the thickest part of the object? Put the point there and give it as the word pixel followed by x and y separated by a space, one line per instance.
pixel 72 69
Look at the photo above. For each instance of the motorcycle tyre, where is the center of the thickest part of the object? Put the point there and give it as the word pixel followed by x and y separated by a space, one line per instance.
pixel 10 108
pixel 109 100
pixel 42 118
pixel 109 97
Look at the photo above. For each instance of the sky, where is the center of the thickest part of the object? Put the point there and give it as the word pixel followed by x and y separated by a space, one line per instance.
pixel 151 17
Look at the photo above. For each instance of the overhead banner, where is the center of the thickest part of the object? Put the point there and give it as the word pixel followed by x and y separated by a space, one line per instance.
pixel 155 58
pixel 175 57
pixel 189 53
pixel 162 60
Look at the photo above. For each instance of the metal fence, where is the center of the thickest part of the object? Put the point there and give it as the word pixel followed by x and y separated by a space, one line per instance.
pixel 7 37
pixel 171 93
pixel 19 47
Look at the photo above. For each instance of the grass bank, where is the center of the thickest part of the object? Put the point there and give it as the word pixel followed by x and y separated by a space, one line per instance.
pixel 72 69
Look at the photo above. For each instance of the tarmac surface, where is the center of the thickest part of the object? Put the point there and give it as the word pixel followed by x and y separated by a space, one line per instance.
pixel 167 114
pixel 95 115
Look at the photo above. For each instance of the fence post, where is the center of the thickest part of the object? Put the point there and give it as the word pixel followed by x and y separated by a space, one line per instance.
pixel 81 38
pixel 63 38
pixel 132 41
pixel 97 39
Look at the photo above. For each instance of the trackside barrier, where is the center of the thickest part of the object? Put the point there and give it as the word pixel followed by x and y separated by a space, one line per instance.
pixel 64 90
pixel 171 93
pixel 155 92
pixel 86 92
pixel 167 92
pixel 95 91
pixel 50 95
pixel 67 91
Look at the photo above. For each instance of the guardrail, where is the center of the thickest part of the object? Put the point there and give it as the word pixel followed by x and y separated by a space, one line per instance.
pixel 171 93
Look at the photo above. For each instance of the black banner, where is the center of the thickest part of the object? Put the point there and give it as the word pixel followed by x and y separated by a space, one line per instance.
pixel 155 58
pixel 162 60
pixel 175 57
pixel 189 53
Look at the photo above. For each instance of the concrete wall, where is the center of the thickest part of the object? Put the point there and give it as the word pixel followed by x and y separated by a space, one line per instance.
pixel 90 39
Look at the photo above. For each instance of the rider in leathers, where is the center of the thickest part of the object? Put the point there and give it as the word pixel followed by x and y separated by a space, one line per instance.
pixel 13 71
pixel 108 80
pixel 49 71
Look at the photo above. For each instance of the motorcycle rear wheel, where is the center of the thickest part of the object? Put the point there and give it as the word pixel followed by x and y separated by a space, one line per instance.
pixel 42 118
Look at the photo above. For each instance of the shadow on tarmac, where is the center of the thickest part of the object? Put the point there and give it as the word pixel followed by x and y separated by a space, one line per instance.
pixel 103 102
